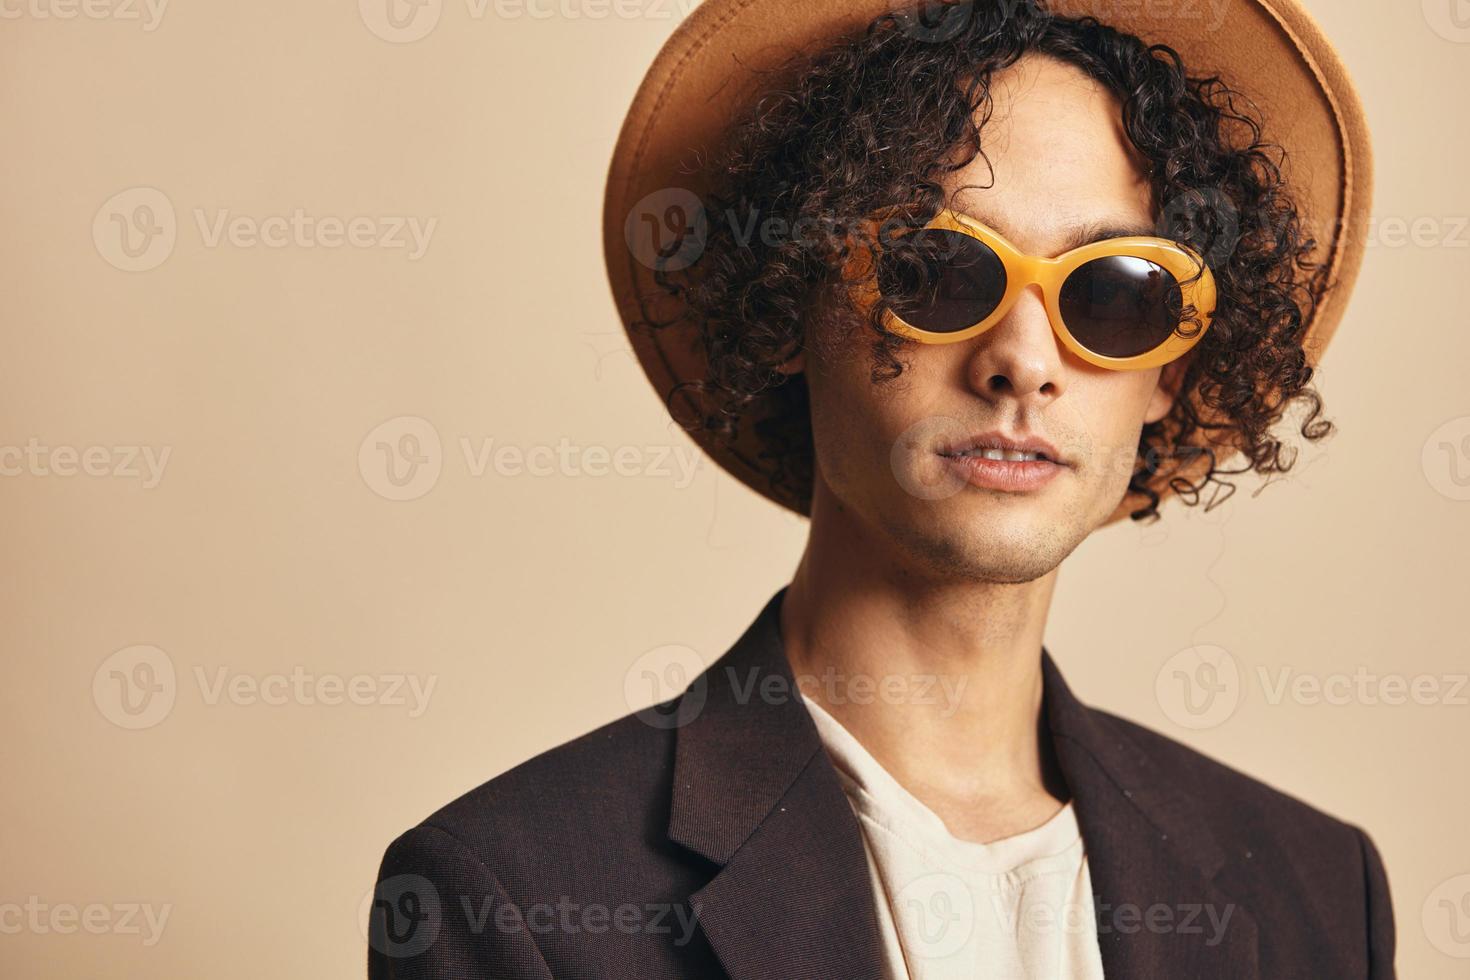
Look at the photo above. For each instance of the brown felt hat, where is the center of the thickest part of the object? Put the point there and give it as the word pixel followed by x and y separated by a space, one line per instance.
pixel 706 74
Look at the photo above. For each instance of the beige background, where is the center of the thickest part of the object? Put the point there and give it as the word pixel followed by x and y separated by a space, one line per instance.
pixel 269 545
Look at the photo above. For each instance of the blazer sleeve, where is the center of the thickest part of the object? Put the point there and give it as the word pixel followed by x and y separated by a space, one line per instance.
pixel 1381 935
pixel 438 913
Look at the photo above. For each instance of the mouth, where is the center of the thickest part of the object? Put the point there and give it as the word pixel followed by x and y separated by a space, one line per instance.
pixel 993 461
pixel 1002 448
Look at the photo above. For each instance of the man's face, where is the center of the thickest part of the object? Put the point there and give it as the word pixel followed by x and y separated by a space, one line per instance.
pixel 1061 161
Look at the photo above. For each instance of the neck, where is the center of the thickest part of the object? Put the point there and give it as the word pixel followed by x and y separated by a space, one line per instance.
pixel 940 680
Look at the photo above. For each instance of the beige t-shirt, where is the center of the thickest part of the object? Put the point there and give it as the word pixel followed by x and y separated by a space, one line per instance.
pixel 1019 908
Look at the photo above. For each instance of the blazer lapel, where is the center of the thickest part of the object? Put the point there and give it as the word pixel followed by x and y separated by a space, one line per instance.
pixel 755 794
pixel 1156 869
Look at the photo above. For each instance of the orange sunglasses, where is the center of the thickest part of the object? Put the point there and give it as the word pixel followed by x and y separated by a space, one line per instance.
pixel 1117 303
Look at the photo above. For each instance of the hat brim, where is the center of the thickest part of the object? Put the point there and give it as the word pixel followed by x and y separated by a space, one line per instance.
pixel 706 73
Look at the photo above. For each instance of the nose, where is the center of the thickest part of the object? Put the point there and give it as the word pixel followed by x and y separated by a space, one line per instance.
pixel 1019 358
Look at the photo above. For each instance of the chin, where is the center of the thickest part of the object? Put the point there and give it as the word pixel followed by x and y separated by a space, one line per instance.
pixel 976 537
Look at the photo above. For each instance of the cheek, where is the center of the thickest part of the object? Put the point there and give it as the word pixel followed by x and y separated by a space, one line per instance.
pixel 849 417
pixel 853 417
pixel 866 431
pixel 1110 416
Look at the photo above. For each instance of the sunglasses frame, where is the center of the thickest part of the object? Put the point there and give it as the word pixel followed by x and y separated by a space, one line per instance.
pixel 1024 271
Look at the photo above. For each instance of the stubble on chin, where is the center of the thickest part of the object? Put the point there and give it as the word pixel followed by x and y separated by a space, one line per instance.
pixel 991 548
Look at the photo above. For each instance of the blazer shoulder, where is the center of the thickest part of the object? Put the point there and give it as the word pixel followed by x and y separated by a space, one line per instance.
pixel 597 788
pixel 1293 853
pixel 1242 808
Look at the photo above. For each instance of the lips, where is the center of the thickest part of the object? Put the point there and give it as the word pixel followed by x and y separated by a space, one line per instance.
pixel 1012 476
pixel 999 446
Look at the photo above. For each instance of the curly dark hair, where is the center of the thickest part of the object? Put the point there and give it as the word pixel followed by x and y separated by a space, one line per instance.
pixel 879 119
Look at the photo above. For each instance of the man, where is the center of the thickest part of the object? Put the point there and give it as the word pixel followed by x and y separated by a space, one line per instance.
pixel 1098 272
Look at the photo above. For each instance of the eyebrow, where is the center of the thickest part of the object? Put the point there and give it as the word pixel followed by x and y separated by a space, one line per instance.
pixel 1086 234
pixel 1102 231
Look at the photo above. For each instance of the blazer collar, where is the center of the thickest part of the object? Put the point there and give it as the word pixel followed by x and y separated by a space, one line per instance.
pixel 755 794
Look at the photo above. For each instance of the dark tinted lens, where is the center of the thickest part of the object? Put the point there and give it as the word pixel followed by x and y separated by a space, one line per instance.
pixel 941 280
pixel 1121 306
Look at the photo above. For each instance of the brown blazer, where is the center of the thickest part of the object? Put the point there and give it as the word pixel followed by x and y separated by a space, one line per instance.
pixel 710 837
